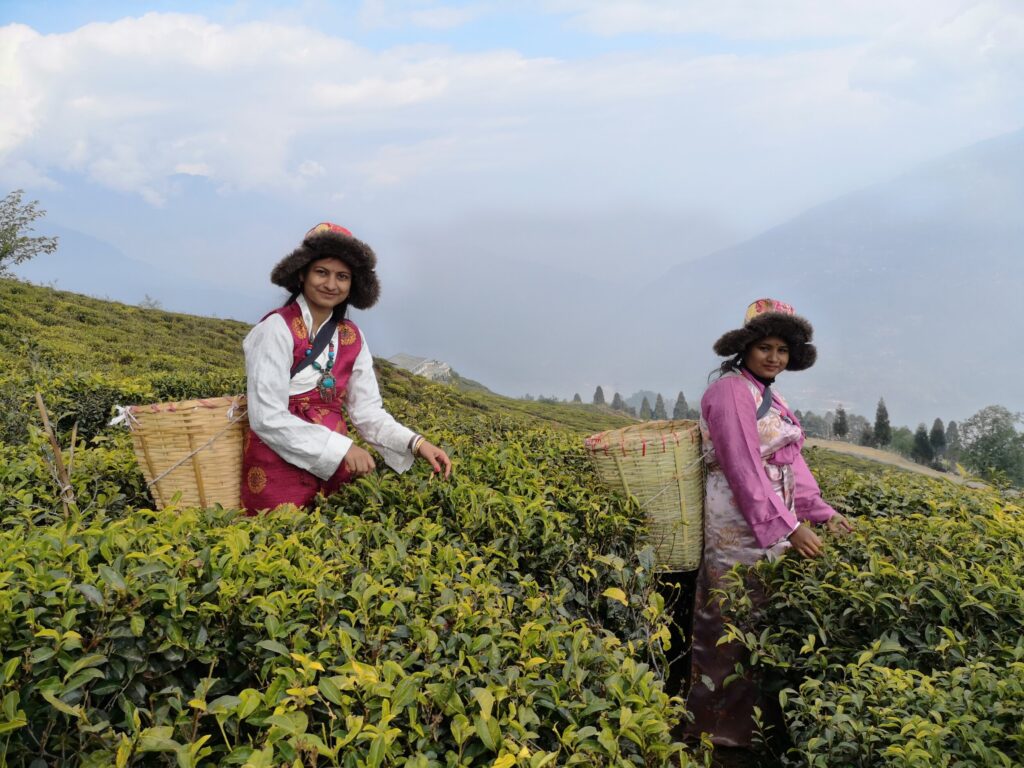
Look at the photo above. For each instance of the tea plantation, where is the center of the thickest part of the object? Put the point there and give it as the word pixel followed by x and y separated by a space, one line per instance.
pixel 504 618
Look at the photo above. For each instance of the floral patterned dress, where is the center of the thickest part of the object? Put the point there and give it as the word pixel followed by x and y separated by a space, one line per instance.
pixel 758 489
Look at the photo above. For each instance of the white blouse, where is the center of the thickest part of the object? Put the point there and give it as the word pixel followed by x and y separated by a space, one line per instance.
pixel 269 354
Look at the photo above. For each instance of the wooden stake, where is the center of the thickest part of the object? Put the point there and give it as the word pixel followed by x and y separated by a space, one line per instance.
pixel 66 491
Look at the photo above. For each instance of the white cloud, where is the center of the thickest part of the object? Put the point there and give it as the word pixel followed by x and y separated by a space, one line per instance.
pixel 311 169
pixel 753 19
pixel 193 169
pixel 249 106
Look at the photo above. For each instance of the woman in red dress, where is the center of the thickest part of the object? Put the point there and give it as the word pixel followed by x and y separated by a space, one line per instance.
pixel 306 363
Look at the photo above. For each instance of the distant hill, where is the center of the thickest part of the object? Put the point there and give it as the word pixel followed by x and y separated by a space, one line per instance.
pixel 913 286
pixel 88 354
pixel 85 264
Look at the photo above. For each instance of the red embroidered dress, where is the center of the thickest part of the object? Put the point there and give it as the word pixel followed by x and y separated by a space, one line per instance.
pixel 268 480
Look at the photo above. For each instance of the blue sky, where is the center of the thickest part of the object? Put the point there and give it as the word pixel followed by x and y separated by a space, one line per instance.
pixel 524 26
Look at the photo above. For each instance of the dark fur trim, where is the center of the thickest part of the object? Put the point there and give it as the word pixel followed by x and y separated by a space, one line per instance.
pixel 359 257
pixel 793 328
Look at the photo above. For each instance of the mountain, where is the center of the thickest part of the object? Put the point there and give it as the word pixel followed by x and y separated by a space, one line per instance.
pixel 913 287
pixel 89 265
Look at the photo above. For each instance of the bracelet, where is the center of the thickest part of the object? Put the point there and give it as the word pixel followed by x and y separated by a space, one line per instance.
pixel 414 443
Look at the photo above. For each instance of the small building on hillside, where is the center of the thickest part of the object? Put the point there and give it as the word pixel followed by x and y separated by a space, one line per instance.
pixel 435 370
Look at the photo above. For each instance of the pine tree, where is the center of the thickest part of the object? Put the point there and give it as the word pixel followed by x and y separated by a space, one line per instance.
pixel 618 404
pixel 598 396
pixel 659 408
pixel 883 431
pixel 953 441
pixel 867 437
pixel 922 451
pixel 937 437
pixel 576 398
pixel 681 409
pixel 840 426
pixel 645 410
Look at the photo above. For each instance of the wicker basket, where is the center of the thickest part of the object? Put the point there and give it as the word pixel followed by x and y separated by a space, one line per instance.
pixel 659 464
pixel 194 447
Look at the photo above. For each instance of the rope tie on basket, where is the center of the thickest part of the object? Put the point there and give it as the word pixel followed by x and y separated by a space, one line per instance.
pixel 205 445
pixel 125 416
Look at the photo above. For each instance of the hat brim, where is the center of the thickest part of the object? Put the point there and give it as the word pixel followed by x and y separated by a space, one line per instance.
pixel 794 329
pixel 359 257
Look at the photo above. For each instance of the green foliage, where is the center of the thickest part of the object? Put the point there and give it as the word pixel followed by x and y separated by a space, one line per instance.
pixel 659 408
pixel 991 445
pixel 841 425
pixel 922 451
pixel 953 446
pixel 937 438
pixel 882 429
pixel 16 242
pixel 681 410
pixel 902 441
pixel 902 645
pixel 645 410
pixel 504 618
pixel 383 638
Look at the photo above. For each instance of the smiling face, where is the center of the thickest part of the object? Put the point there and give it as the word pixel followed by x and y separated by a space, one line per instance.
pixel 326 283
pixel 767 357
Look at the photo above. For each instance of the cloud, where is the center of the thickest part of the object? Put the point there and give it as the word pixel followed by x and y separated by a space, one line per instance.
pixel 968 55
pixel 753 19
pixel 293 110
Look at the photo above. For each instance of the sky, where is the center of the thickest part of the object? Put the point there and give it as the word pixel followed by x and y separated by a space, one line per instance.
pixel 608 140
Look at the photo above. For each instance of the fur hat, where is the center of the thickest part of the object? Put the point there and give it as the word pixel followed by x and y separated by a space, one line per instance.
pixel 768 317
pixel 327 241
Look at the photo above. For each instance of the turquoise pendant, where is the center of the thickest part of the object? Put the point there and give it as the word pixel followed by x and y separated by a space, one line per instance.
pixel 326 388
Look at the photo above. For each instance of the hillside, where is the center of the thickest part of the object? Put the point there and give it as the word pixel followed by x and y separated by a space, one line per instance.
pixel 506 618
pixel 128 354
pixel 497 616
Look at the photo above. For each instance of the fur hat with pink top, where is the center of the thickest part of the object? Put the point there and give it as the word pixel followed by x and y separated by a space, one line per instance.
pixel 769 317
pixel 325 241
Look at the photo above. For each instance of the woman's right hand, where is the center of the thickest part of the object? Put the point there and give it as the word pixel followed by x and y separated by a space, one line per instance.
pixel 805 541
pixel 358 461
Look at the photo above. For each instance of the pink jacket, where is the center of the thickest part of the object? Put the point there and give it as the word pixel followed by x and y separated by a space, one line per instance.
pixel 730 414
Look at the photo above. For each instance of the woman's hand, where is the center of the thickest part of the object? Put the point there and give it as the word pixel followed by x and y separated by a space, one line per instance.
pixel 838 525
pixel 435 457
pixel 358 461
pixel 805 541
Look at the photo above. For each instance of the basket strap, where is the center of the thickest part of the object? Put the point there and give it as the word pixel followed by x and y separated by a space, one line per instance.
pixel 323 337
pixel 766 402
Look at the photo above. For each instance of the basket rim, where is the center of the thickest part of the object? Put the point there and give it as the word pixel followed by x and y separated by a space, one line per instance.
pixel 219 401
pixel 642 434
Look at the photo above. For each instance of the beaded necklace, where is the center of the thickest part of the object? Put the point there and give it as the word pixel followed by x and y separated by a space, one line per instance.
pixel 325 384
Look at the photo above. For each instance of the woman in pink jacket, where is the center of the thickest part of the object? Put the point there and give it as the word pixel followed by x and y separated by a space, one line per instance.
pixel 760 501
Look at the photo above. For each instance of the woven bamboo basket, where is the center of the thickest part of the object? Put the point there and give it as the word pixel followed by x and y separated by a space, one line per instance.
pixel 194 447
pixel 659 464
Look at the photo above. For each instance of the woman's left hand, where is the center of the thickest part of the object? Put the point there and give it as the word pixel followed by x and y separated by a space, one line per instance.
pixel 838 525
pixel 437 458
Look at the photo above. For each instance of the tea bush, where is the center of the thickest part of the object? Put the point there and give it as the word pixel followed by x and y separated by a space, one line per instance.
pixel 321 637
pixel 903 644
